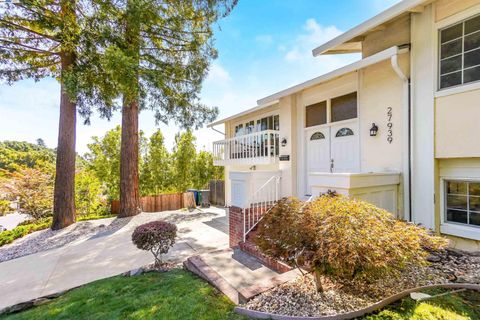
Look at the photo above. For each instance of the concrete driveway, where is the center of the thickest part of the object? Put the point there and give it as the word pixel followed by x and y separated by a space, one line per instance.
pixel 107 254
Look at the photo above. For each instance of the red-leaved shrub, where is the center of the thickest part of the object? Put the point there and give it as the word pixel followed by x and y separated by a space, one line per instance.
pixel 156 236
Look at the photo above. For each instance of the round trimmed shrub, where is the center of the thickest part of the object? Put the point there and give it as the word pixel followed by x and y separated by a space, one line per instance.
pixel 156 236
pixel 343 238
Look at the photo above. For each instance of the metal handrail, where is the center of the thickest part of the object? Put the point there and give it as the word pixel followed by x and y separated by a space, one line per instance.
pixel 260 203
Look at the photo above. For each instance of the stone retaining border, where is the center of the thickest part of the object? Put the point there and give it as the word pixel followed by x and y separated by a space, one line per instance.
pixel 358 313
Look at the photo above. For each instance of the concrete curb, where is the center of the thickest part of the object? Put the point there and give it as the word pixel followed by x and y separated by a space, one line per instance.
pixel 358 313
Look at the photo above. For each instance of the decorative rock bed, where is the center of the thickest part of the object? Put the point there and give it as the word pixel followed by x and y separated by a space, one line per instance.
pixel 299 297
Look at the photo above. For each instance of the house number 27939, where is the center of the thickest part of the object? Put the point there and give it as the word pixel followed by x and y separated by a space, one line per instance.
pixel 389 125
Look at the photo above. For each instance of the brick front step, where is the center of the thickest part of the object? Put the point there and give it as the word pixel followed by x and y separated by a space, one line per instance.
pixel 271 263
pixel 237 274
pixel 198 266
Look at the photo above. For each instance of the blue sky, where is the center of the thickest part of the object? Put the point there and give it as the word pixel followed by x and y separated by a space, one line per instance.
pixel 264 46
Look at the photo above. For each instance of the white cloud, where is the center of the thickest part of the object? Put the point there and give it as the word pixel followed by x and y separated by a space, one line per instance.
pixel 315 34
pixel 218 75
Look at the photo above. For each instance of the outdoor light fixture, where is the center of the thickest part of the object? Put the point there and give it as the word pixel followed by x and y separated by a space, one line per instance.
pixel 284 142
pixel 373 130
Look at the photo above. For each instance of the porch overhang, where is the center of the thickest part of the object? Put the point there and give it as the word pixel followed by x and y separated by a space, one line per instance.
pixel 351 40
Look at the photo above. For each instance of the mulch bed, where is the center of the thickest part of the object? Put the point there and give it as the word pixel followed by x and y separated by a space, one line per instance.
pixel 300 298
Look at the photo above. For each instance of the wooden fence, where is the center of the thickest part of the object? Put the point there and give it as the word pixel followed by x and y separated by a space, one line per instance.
pixel 217 192
pixel 162 202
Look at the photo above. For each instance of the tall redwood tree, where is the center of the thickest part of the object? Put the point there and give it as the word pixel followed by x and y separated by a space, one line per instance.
pixel 157 54
pixel 43 39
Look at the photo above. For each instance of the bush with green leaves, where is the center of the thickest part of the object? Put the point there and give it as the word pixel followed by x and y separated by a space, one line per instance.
pixel 89 194
pixel 34 190
pixel 344 239
pixel 157 237
pixel 23 229
pixel 5 207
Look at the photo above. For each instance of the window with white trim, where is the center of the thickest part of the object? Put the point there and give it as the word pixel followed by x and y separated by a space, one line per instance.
pixel 459 53
pixel 462 202
pixel 266 123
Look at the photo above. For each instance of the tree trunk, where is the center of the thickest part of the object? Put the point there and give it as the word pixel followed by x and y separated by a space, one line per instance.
pixel 129 195
pixel 64 192
pixel 317 274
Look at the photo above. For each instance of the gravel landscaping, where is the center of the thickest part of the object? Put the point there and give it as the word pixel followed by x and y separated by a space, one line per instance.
pixel 299 297
pixel 49 239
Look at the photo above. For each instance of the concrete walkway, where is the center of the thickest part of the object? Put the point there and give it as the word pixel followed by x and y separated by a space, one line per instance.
pixel 107 254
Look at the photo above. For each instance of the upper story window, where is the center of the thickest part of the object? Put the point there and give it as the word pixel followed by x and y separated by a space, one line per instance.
pixel 266 123
pixel 340 108
pixel 316 114
pixel 344 107
pixel 460 53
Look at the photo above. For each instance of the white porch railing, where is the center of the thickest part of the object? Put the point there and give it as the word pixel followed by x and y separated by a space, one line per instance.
pixel 261 203
pixel 254 148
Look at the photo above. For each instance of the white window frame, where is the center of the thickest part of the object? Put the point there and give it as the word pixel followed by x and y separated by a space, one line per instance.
pixel 438 26
pixel 254 119
pixel 453 228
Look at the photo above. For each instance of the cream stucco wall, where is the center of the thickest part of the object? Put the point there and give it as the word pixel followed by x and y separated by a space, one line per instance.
pixel 457 121
pixel 380 89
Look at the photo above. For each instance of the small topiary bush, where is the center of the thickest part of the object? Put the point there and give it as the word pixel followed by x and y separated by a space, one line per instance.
pixel 345 239
pixel 157 237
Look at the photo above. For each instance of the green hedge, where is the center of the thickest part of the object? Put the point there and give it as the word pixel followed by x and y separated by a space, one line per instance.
pixel 22 230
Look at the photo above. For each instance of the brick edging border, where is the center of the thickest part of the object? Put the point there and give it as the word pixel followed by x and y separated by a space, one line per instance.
pixel 358 313
pixel 272 263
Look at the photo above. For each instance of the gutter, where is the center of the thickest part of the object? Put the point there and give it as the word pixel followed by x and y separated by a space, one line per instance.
pixel 407 137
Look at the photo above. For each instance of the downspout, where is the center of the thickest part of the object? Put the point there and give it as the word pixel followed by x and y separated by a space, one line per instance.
pixel 407 167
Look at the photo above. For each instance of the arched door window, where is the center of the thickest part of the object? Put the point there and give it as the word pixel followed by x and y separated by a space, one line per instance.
pixel 317 136
pixel 344 132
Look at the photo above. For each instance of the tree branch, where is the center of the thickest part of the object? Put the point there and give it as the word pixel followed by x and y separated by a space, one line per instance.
pixel 32 49
pixel 28 30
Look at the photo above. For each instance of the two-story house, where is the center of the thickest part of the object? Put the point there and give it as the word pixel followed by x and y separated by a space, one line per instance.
pixel 399 128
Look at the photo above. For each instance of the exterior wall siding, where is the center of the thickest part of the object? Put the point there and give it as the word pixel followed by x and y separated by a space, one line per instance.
pixel 457 148
pixel 457 119
pixel 447 8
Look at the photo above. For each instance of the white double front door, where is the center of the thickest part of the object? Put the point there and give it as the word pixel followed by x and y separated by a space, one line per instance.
pixel 333 147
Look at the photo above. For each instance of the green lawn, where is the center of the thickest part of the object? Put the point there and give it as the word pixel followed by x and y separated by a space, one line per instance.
pixel 457 306
pixel 172 295
pixel 179 294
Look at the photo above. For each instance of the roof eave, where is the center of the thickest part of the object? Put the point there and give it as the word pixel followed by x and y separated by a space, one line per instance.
pixel 331 46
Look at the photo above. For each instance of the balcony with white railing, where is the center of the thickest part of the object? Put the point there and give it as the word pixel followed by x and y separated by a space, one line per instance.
pixel 250 149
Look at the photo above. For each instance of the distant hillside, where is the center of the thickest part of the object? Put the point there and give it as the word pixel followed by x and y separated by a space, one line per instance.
pixel 17 154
